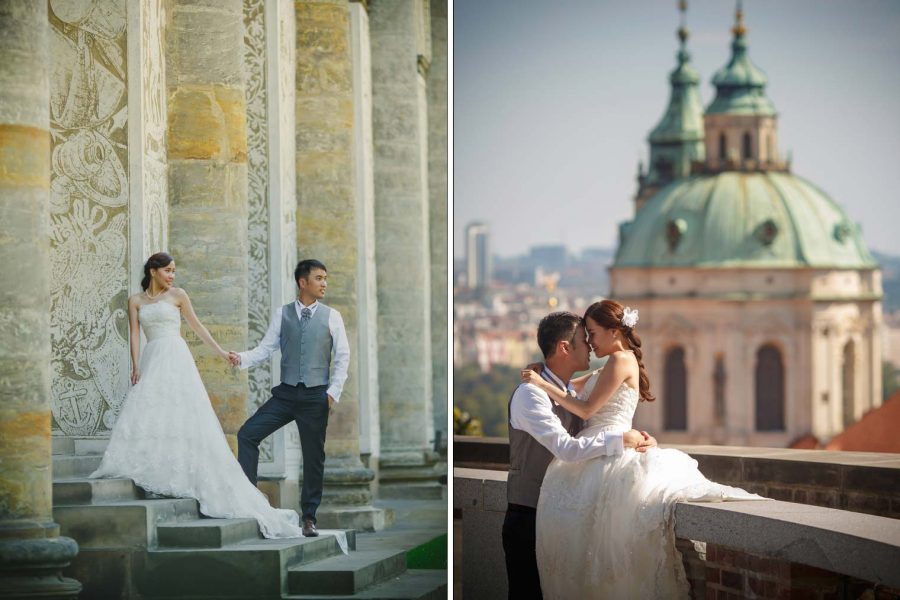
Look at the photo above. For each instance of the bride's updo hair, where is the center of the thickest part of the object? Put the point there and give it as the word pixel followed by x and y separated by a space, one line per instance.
pixel 608 314
pixel 157 261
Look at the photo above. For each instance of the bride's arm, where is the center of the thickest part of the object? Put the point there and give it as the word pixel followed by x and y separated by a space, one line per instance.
pixel 187 309
pixel 611 377
pixel 134 341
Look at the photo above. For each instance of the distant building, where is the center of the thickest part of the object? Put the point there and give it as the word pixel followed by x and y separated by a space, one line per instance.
pixel 478 256
pixel 551 258
pixel 760 306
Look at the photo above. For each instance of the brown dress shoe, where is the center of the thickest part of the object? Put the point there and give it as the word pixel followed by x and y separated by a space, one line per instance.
pixel 309 528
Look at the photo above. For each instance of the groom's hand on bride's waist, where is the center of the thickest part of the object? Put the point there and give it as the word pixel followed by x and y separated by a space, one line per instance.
pixel 639 440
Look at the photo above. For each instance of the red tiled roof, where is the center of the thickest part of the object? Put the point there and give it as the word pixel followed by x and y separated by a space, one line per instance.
pixel 806 442
pixel 877 431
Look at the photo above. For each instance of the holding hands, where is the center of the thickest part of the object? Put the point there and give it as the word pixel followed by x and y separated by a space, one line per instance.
pixel 233 358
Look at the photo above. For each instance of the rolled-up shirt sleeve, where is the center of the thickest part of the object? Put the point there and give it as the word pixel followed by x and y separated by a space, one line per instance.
pixel 532 412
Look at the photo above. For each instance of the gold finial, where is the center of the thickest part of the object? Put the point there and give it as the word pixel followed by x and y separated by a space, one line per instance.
pixel 739 29
pixel 682 29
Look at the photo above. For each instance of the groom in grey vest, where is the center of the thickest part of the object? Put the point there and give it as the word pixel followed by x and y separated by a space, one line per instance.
pixel 540 429
pixel 308 333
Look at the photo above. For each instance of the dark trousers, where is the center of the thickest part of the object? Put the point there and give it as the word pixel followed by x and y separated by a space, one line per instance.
pixel 518 546
pixel 308 407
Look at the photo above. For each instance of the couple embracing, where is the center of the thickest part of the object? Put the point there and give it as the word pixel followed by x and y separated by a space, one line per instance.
pixel 167 437
pixel 591 499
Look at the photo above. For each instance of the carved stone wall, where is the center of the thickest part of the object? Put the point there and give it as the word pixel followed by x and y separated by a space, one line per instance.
pixel 259 288
pixel 89 224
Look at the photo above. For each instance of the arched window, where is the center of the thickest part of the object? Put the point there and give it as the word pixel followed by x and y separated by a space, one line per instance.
pixel 675 391
pixel 748 146
pixel 769 389
pixel 723 151
pixel 719 379
pixel 848 384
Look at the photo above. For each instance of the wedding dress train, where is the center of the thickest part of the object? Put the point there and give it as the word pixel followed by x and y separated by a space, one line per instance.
pixel 604 526
pixel 169 441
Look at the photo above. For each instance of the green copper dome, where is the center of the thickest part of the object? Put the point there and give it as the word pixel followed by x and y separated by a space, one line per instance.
pixel 740 85
pixel 739 219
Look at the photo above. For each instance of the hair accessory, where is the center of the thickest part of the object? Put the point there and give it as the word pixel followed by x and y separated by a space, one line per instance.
pixel 630 317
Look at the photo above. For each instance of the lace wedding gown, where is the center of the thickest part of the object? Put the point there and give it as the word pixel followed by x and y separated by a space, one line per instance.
pixel 604 526
pixel 169 441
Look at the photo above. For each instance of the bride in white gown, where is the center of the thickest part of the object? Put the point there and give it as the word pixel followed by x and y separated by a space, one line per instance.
pixel 604 526
pixel 167 437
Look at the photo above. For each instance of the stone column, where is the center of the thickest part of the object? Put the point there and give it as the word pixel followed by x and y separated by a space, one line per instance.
pixel 437 195
pixel 327 215
pixel 367 309
pixel 269 41
pixel 32 554
pixel 207 154
pixel 400 57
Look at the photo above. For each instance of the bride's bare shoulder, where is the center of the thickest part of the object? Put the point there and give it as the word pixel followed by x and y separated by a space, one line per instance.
pixel 624 356
pixel 135 299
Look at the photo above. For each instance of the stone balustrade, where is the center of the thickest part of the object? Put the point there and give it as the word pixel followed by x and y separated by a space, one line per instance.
pixel 828 534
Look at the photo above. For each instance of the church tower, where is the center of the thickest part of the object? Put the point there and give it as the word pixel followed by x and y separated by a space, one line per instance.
pixel 741 122
pixel 677 140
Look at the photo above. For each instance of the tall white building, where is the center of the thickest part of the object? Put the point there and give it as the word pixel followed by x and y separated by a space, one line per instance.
pixel 478 255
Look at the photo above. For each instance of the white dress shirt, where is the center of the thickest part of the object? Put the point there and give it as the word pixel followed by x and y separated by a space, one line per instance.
pixel 531 410
pixel 340 361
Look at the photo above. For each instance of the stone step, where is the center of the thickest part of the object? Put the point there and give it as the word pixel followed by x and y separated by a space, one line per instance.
pixel 67 492
pixel 62 445
pixel 431 490
pixel 248 569
pixel 347 574
pixel 411 585
pixel 207 533
pixel 75 466
pixel 127 523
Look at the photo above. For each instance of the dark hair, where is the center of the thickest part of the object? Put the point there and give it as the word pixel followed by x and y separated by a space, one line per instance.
pixel 157 261
pixel 305 266
pixel 555 328
pixel 608 314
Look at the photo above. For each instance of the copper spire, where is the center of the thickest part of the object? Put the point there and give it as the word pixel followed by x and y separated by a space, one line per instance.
pixel 739 30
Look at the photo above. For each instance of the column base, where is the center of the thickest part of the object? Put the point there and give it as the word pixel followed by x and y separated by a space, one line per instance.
pixel 412 476
pixel 347 497
pixel 281 492
pixel 32 568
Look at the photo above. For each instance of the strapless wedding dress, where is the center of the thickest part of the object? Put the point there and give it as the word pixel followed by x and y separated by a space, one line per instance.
pixel 168 440
pixel 604 526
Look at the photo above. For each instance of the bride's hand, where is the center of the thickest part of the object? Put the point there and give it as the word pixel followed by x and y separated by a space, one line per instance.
pixel 135 376
pixel 536 367
pixel 530 376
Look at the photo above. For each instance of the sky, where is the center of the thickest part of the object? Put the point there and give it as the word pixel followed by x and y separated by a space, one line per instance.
pixel 553 101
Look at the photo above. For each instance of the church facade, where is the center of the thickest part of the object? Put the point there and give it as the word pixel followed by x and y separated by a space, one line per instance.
pixel 760 304
pixel 240 136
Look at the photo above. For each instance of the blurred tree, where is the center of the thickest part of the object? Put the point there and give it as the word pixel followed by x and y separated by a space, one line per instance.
pixel 890 379
pixel 465 424
pixel 486 395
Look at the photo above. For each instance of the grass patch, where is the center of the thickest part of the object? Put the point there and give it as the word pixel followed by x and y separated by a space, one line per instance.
pixel 431 555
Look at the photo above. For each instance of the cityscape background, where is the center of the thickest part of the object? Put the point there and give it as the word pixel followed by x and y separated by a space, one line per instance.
pixel 530 238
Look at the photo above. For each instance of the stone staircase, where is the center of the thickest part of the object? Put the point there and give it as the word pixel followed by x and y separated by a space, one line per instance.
pixel 135 546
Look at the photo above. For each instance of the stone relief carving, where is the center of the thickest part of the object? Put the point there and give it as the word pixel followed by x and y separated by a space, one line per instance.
pixel 259 291
pixel 88 214
pixel 155 180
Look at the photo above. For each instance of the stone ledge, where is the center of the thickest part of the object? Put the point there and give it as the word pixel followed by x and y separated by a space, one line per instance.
pixel 863 546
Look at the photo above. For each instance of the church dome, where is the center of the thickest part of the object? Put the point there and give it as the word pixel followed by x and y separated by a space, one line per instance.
pixel 742 219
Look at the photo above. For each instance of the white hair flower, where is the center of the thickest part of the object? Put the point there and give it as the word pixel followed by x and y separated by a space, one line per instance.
pixel 629 317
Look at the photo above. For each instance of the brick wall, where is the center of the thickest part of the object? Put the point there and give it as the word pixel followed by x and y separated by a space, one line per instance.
pixel 720 573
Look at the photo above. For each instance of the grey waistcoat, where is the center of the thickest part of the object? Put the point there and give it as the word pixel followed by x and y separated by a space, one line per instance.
pixel 528 459
pixel 307 361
